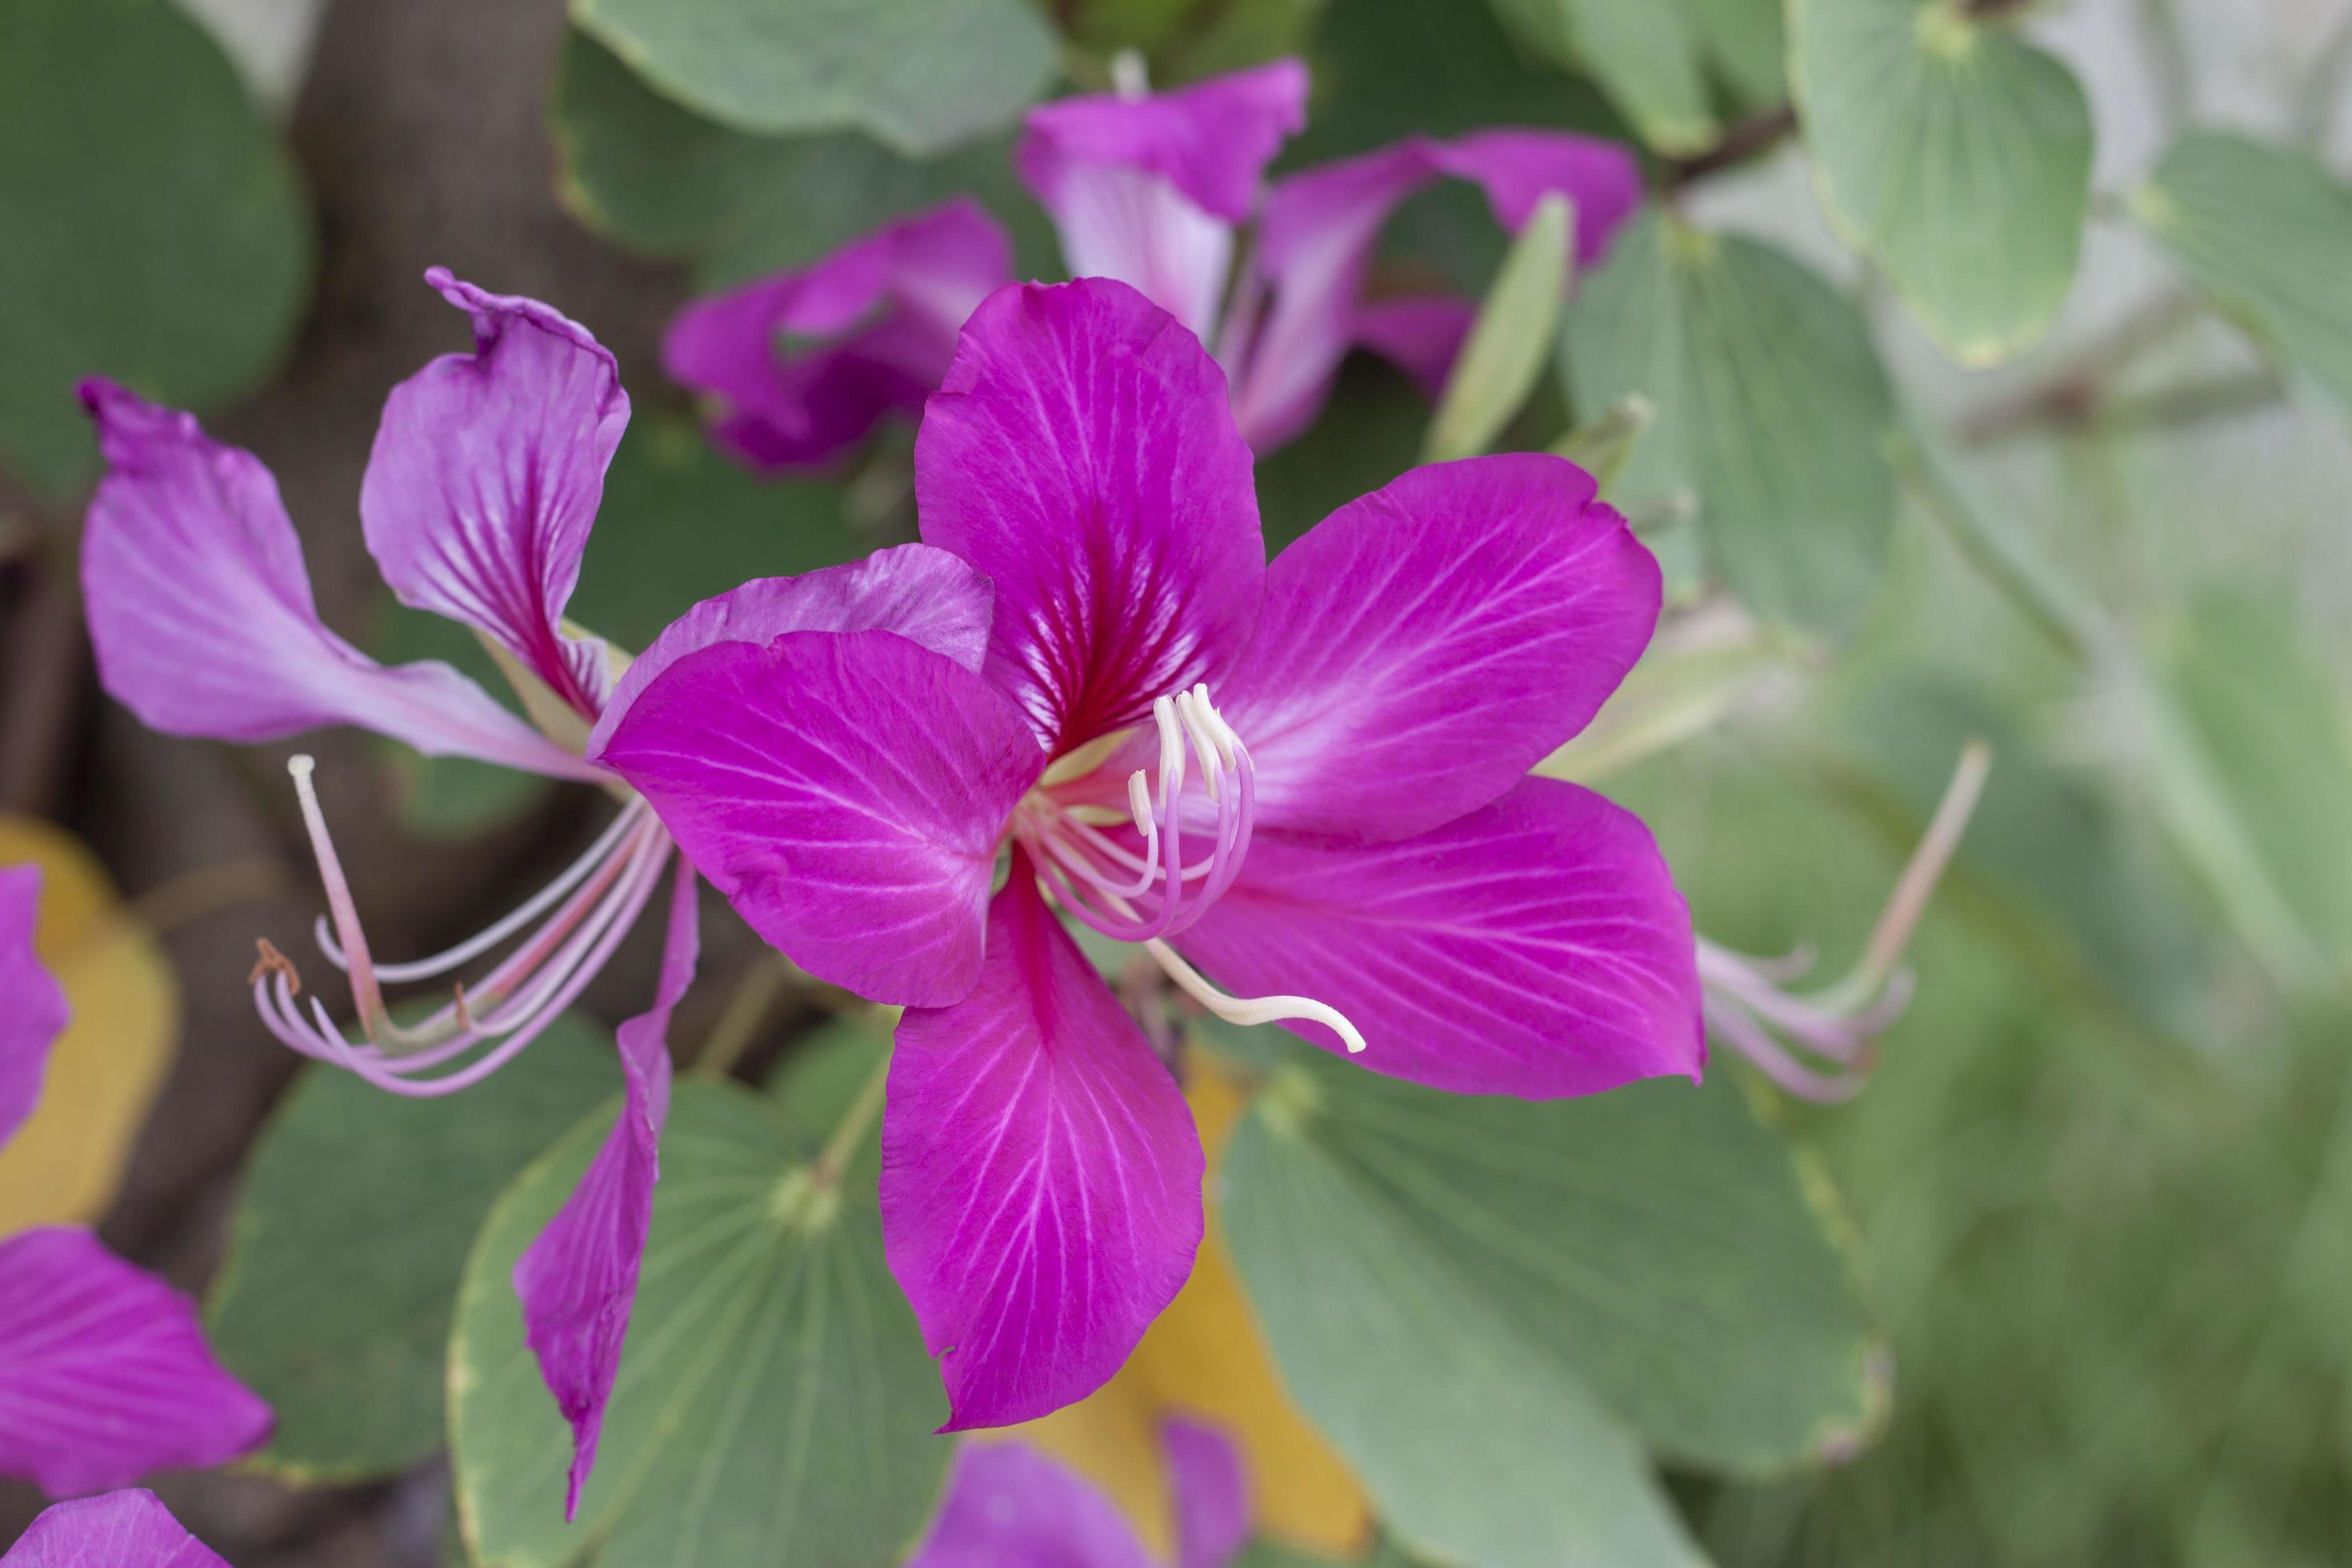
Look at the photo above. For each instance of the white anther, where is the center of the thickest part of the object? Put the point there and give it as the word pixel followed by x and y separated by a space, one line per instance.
pixel 1138 801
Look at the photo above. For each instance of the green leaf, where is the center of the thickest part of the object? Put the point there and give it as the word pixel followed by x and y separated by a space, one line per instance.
pixel 1748 46
pixel 649 174
pixel 917 76
pixel 448 797
pixel 356 1214
pixel 680 523
pixel 155 229
pixel 774 1403
pixel 1532 1280
pixel 2257 770
pixel 1368 433
pixel 2264 231
pixel 1955 153
pixel 1504 356
pixel 1646 58
pixel 1773 409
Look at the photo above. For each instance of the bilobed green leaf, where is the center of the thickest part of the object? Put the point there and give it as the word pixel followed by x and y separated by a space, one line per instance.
pixel 357 1212
pixel 917 76
pixel 155 230
pixel 1772 411
pixel 1957 154
pixel 2264 231
pixel 1542 1287
pixel 1747 43
pixel 649 174
pixel 1645 57
pixel 774 1403
pixel 1504 356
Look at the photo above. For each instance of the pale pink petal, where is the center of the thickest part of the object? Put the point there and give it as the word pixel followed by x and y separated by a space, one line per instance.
pixel 924 595
pixel 1422 647
pixel 1041 1177
pixel 1212 1493
pixel 104 1373
pixel 485 479
pixel 883 313
pixel 202 619
pixel 1082 455
pixel 120 1530
pixel 32 1006
pixel 578 1279
pixel 1316 245
pixel 845 791
pixel 1536 947
pixel 1150 189
pixel 1008 1506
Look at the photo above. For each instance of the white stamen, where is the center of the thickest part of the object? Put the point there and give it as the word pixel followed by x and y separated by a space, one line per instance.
pixel 1129 75
pixel 1254 1009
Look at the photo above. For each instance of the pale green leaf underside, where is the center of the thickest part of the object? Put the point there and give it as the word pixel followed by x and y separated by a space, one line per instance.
pixel 774 1403
pixel 2266 232
pixel 1646 58
pixel 1538 1283
pixel 357 1213
pixel 1957 155
pixel 916 76
pixel 1772 411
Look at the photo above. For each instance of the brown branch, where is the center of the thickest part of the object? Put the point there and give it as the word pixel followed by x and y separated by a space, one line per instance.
pixel 1741 141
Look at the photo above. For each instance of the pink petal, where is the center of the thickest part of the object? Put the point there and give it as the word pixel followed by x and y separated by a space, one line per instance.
pixel 1082 455
pixel 1316 245
pixel 32 1009
pixel 1041 1177
pixel 1008 1506
pixel 1149 190
pixel 104 1374
pixel 120 1530
pixel 486 476
pixel 888 305
pixel 1420 334
pixel 1422 647
pixel 578 1278
pixel 924 595
pixel 1536 947
pixel 1211 1488
pixel 202 619
pixel 846 792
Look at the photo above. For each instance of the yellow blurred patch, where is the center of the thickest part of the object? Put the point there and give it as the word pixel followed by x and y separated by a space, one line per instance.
pixel 1205 1356
pixel 65 1162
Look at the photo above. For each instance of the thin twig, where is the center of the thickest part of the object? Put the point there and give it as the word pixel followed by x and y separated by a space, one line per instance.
pixel 2071 395
pixel 1740 140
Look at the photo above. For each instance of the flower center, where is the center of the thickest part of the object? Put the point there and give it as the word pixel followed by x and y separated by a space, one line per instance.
pixel 1148 894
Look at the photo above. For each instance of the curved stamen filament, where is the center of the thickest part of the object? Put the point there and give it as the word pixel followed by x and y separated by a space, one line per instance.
pixel 598 898
pixel 1254 1009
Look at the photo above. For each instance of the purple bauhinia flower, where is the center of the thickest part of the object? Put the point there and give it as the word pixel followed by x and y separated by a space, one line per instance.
pixel 1307 779
pixel 485 479
pixel 1152 190
pixel 1008 1506
pixel 104 1373
pixel 120 1530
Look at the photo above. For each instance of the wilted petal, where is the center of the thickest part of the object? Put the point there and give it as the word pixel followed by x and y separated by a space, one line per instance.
pixel 1082 455
pixel 924 595
pixel 202 619
pixel 1536 947
pixel 1316 241
pixel 1424 647
pixel 1420 334
pixel 1149 190
pixel 485 479
pixel 32 1005
pixel 578 1278
pixel 1041 1177
pixel 844 791
pixel 120 1530
pixel 886 308
pixel 104 1374
pixel 1212 1504
pixel 1008 1506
